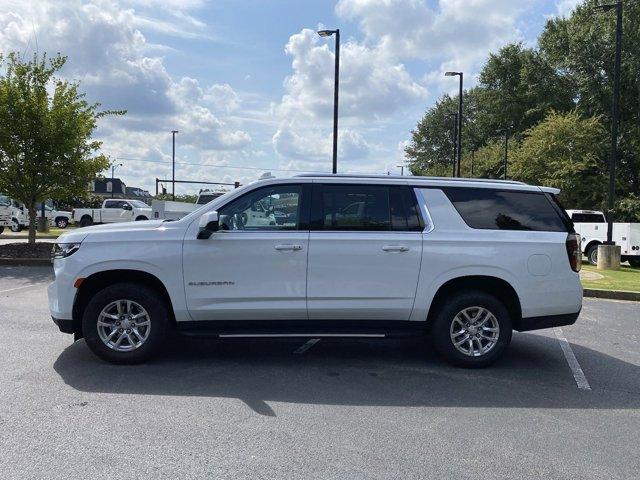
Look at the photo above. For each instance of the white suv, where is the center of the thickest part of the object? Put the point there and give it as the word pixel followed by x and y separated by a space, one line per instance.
pixel 462 262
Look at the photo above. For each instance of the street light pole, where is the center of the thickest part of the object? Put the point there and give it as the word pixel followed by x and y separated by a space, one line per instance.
pixel 615 116
pixel 113 169
pixel 454 140
pixel 401 167
pixel 459 121
pixel 336 83
pixel 173 166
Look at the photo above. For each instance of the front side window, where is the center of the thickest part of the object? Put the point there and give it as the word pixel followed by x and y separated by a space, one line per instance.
pixel 485 208
pixel 113 204
pixel 269 208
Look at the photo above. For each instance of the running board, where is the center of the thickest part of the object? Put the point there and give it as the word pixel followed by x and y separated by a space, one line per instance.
pixel 301 329
pixel 302 335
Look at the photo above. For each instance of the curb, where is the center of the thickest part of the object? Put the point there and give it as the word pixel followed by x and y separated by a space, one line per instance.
pixel 612 294
pixel 26 237
pixel 27 262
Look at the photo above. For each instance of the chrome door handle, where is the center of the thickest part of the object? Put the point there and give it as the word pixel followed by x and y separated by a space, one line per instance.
pixel 395 248
pixel 288 247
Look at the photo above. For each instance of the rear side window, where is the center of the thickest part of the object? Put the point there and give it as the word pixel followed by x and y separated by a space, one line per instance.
pixel 485 208
pixel 365 208
pixel 587 218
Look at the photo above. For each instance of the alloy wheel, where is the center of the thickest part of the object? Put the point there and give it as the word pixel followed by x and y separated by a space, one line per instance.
pixel 123 325
pixel 474 331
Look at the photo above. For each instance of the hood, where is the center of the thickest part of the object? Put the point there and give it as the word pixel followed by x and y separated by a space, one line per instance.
pixel 79 234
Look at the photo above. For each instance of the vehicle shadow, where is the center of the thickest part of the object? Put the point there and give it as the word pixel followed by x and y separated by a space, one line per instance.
pixel 533 374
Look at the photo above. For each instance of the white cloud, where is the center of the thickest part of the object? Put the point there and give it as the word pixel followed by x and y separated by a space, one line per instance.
pixel 114 62
pixel 565 7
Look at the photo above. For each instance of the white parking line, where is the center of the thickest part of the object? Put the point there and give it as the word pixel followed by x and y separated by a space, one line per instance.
pixel 306 346
pixel 578 374
pixel 20 288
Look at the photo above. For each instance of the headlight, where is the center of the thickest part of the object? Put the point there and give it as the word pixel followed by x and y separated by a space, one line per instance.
pixel 63 250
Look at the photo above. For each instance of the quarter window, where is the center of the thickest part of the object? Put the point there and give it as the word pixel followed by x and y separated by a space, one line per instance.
pixel 505 209
pixel 270 208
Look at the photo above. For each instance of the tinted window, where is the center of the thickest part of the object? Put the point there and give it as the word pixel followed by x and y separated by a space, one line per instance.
pixel 505 210
pixel 270 208
pixel 587 218
pixel 113 204
pixel 355 207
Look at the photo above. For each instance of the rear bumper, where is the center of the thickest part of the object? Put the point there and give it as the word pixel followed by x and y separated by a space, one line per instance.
pixel 547 321
pixel 65 326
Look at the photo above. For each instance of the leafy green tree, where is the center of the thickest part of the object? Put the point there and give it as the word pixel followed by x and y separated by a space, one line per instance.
pixel 568 152
pixel 628 209
pixel 581 47
pixel 518 87
pixel 46 150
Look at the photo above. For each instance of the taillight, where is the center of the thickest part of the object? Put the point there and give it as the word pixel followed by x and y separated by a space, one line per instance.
pixel 574 252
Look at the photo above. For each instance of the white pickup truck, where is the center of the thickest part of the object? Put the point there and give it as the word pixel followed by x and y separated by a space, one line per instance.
pixel 20 216
pixel 113 211
pixel 5 212
pixel 591 225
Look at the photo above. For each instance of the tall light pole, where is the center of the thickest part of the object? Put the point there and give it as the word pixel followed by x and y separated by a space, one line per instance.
pixel 459 127
pixel 401 167
pixel 328 33
pixel 454 140
pixel 615 115
pixel 173 166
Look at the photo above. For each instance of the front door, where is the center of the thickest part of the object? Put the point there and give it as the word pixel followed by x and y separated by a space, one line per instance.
pixel 365 249
pixel 255 266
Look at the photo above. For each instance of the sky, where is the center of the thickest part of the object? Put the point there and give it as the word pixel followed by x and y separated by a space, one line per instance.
pixel 249 84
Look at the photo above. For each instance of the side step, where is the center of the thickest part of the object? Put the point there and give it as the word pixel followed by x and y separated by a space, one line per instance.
pixel 302 329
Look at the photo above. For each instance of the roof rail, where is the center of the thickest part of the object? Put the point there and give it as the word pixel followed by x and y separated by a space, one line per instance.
pixel 408 177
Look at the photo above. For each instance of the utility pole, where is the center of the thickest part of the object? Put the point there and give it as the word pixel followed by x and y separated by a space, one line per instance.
pixel 506 151
pixel 173 168
pixel 401 167
pixel 458 122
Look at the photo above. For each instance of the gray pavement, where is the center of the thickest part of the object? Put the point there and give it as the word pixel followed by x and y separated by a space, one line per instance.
pixel 341 409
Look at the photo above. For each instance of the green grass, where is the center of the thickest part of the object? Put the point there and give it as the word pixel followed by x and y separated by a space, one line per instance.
pixel 626 278
pixel 53 231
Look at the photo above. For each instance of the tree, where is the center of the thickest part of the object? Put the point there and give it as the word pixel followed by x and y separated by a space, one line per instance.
pixel 46 126
pixel 568 152
pixel 581 47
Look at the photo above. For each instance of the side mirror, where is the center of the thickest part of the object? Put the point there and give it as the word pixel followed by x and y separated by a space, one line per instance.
pixel 208 224
pixel 126 206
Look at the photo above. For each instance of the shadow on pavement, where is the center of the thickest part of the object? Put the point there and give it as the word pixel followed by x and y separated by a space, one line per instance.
pixel 17 275
pixel 533 374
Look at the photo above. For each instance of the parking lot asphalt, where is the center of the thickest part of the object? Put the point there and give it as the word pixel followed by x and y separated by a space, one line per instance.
pixel 338 409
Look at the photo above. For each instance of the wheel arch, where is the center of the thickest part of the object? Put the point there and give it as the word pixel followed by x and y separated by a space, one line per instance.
pixel 495 286
pixel 99 280
pixel 590 244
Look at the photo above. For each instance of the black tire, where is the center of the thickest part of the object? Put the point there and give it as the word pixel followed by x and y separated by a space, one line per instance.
pixel 140 218
pixel 15 225
pixel 592 254
pixel 62 222
pixel 634 261
pixel 440 329
pixel 86 221
pixel 150 300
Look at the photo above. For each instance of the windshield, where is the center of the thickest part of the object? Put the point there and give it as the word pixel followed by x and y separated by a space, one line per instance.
pixel 216 201
pixel 138 204
pixel 5 201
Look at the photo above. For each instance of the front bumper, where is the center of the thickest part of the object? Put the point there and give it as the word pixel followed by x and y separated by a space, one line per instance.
pixel 65 326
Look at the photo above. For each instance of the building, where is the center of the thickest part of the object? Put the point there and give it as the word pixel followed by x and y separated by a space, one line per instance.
pixel 135 192
pixel 108 188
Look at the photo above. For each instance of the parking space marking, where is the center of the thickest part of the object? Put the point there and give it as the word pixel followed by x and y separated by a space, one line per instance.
pixel 20 288
pixel 306 346
pixel 578 374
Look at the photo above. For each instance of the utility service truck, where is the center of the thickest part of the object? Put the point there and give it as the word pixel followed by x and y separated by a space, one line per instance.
pixel 20 216
pixel 591 225
pixel 5 212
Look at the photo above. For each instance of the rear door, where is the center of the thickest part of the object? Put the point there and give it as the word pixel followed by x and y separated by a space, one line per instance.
pixel 365 249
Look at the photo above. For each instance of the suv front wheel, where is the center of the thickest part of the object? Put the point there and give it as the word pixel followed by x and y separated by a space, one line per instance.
pixel 125 323
pixel 471 329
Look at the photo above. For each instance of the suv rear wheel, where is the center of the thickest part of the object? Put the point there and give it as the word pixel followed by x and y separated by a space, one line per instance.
pixel 125 323
pixel 471 329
